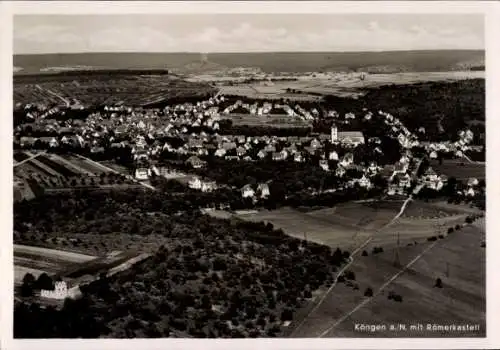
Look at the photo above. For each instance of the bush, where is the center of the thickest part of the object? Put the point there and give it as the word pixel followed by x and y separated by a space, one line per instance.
pixel 365 253
pixel 457 227
pixel 439 283
pixel 350 275
pixel 398 298
pixel 432 239
pixel 469 220
pixel 441 236
pixel 368 292
pixel 450 230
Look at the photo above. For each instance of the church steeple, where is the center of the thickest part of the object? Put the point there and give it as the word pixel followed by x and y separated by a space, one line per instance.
pixel 334 133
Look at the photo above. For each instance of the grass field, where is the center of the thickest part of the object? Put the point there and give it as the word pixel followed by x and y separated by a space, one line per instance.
pixel 460 301
pixel 460 169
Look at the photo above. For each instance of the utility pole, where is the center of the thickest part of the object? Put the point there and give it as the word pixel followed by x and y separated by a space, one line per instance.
pixel 397 261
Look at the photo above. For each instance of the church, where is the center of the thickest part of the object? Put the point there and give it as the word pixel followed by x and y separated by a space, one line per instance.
pixel 349 137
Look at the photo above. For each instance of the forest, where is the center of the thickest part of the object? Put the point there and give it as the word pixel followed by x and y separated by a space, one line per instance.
pixel 215 278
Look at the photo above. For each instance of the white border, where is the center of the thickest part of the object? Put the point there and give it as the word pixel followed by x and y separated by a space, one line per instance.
pixel 491 11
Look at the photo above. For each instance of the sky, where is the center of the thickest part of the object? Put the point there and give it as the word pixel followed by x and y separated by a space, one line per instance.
pixel 36 34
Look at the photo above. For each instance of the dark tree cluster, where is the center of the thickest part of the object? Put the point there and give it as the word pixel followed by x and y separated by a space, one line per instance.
pixel 217 278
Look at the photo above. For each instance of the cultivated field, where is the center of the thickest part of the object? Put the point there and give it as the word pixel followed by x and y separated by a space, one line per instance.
pixel 134 90
pixel 344 225
pixel 460 301
pixel 460 169
pixel 350 224
pixel 37 260
pixel 343 85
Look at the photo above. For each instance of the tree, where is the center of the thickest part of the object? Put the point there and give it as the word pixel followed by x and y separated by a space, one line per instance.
pixel 28 284
pixel 44 282
pixel 368 292
pixel 439 283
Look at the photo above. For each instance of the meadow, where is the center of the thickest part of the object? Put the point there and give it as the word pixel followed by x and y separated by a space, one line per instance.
pixel 461 300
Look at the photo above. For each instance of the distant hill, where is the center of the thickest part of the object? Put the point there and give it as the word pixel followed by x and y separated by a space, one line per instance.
pixel 389 61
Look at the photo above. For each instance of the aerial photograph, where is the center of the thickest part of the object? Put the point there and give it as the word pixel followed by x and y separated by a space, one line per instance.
pixel 249 175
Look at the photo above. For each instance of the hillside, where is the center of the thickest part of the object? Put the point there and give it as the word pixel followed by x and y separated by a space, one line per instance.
pixel 390 61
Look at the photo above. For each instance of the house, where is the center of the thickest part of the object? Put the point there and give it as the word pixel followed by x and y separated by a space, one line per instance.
pixel 221 152
pixel 141 174
pixel 26 141
pixel 278 156
pixel 405 181
pixel 470 192
pixel 208 186
pixel 262 154
pixel 229 145
pixel 333 156
pixel 430 174
pixel 315 143
pixel 364 182
pixel 195 162
pixel 323 163
pixel 240 151
pixel 347 160
pixel 247 191
pixel 298 157
pixel 472 182
pixel 263 190
pixel 195 183
pixel 60 291
pixel 340 171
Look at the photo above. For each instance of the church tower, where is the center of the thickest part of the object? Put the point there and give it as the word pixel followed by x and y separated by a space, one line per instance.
pixel 334 133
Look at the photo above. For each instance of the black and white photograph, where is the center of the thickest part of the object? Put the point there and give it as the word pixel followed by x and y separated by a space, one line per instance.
pixel 248 175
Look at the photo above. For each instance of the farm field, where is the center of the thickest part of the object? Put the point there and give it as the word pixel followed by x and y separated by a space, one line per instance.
pixel 348 225
pixel 460 301
pixel 344 225
pixel 38 260
pixel 97 89
pixel 342 85
pixel 460 169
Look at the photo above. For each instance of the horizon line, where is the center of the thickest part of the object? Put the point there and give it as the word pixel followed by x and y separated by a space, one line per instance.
pixel 238 52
